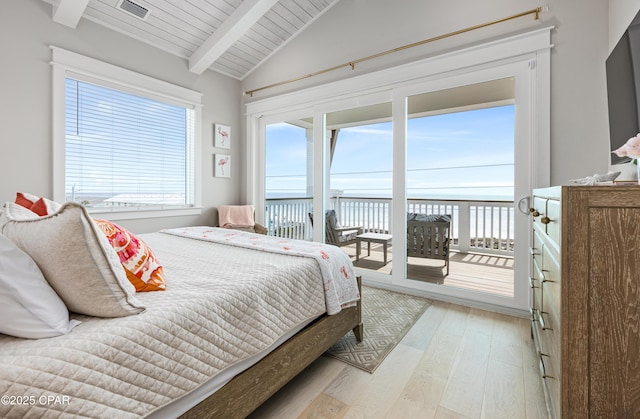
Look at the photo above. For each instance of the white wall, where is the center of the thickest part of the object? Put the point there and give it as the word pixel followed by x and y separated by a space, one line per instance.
pixel 26 31
pixel 358 28
pixel 621 13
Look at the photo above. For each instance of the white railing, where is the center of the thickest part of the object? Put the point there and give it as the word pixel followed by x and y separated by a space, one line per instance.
pixel 477 226
pixel 289 218
pixel 491 226
pixel 372 214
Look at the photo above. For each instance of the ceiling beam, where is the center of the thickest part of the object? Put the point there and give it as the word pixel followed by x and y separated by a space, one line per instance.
pixel 69 12
pixel 228 33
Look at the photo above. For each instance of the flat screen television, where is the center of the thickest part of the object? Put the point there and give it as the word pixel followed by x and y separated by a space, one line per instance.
pixel 623 81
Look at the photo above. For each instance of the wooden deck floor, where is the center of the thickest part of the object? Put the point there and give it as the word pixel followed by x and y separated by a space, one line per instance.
pixel 486 273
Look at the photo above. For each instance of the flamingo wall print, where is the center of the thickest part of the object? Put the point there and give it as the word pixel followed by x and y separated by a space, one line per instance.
pixel 222 165
pixel 221 136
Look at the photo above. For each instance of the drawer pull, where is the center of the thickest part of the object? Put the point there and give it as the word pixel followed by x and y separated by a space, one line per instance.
pixel 545 220
pixel 544 276
pixel 542 322
pixel 534 213
pixel 543 370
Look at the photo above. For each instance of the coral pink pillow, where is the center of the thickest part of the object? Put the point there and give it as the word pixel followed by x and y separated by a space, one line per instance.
pixel 41 206
pixel 139 262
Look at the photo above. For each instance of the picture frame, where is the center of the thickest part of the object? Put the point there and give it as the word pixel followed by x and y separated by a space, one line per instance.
pixel 222 165
pixel 221 136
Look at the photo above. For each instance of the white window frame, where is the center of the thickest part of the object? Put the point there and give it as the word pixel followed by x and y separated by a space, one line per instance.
pixel 70 64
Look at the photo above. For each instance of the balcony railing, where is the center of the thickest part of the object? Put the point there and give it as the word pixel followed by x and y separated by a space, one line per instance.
pixel 289 218
pixel 476 226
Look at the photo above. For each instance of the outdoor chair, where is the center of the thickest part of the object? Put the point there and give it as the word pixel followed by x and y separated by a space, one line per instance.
pixel 428 236
pixel 336 234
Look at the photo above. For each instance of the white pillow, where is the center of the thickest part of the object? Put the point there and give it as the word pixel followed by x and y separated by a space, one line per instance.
pixel 75 258
pixel 29 307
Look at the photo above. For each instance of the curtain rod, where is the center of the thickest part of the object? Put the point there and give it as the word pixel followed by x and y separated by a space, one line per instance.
pixel 352 64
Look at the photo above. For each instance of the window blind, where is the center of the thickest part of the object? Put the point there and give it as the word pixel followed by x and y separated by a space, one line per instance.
pixel 125 150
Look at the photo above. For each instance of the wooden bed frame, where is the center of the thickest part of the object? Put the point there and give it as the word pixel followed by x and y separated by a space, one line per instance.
pixel 249 389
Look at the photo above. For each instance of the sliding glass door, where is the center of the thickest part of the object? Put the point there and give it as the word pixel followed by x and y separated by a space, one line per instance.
pixel 360 185
pixel 460 187
pixel 288 178
pixel 451 140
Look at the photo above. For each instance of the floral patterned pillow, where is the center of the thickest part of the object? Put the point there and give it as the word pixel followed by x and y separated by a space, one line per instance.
pixel 139 262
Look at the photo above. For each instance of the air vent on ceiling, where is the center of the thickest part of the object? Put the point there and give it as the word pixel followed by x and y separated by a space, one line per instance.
pixel 134 9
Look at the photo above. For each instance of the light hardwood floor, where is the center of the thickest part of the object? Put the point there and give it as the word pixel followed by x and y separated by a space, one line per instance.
pixel 455 362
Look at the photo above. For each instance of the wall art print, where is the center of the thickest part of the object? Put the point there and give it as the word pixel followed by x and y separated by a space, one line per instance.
pixel 221 136
pixel 222 165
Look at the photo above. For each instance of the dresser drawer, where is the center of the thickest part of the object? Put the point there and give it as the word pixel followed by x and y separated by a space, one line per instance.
pixel 539 204
pixel 551 381
pixel 553 217
pixel 536 247
pixel 550 362
pixel 551 264
pixel 549 315
pixel 539 209
pixel 549 309
pixel 545 284
pixel 536 298
pixel 550 285
pixel 549 325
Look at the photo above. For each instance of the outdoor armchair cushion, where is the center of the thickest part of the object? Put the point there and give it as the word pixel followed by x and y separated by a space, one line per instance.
pixel 411 216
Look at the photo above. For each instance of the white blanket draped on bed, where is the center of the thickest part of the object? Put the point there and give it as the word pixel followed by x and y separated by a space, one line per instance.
pixel 340 286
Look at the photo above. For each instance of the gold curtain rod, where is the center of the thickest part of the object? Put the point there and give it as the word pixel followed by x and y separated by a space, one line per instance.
pixel 352 64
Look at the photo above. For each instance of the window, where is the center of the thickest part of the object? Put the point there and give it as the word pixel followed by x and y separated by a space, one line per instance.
pixel 124 150
pixel 128 142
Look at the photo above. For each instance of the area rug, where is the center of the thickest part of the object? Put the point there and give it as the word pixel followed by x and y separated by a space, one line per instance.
pixel 387 316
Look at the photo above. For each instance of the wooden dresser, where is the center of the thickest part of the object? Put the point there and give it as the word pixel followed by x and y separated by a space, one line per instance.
pixel 585 299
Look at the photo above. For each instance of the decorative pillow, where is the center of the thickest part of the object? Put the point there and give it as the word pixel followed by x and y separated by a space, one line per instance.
pixel 41 206
pixel 138 261
pixel 75 258
pixel 29 307
pixel 26 200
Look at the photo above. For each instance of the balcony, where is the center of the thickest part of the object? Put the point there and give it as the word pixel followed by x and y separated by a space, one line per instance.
pixel 482 234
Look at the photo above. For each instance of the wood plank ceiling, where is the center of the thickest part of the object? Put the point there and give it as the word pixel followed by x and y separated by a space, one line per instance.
pixel 232 37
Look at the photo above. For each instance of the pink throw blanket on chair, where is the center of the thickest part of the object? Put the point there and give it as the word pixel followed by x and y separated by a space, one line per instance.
pixel 236 216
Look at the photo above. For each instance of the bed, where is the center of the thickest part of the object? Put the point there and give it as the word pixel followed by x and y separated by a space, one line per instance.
pixel 236 322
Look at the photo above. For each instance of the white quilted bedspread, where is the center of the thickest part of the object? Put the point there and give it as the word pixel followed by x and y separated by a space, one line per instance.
pixel 338 276
pixel 222 304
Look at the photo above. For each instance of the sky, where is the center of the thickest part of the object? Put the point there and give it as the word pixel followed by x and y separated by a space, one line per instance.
pixel 462 155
